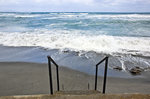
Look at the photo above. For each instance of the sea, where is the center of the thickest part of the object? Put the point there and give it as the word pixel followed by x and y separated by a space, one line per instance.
pixel 78 40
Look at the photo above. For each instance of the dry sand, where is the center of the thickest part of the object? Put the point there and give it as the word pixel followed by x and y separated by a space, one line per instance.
pixel 20 78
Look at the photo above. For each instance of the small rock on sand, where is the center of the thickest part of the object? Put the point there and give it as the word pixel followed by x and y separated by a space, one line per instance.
pixel 118 68
pixel 136 71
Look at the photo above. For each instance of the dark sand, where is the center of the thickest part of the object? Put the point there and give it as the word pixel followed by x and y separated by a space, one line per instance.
pixel 18 78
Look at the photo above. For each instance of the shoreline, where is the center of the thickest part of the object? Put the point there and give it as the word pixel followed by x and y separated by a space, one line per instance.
pixel 85 62
pixel 23 78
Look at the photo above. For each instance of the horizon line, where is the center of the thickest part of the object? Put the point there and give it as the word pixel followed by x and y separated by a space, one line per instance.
pixel 70 12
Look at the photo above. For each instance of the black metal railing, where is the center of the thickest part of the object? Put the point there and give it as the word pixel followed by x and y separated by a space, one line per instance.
pixel 57 74
pixel 50 74
pixel 105 73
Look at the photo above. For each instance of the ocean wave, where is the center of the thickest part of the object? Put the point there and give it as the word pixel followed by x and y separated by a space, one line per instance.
pixel 75 41
pixel 26 16
pixel 18 15
pixel 12 28
pixel 131 17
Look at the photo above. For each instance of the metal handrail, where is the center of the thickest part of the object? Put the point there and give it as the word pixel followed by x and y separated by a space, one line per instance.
pixel 57 73
pixel 105 73
pixel 50 74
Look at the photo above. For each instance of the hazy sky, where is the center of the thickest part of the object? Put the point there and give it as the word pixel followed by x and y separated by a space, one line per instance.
pixel 75 5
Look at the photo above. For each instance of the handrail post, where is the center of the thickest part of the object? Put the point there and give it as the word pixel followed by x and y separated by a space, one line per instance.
pixel 105 75
pixel 50 75
pixel 57 73
pixel 96 77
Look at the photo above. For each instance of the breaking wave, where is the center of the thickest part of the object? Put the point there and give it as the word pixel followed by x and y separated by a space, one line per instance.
pixel 75 41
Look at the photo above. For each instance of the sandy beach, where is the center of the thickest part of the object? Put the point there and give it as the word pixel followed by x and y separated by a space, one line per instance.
pixel 20 78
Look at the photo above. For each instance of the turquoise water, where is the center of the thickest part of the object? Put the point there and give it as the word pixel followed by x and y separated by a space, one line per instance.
pixel 115 24
pixel 85 35
pixel 99 32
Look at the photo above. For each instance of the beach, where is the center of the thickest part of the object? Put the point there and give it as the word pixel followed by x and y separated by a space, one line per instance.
pixel 24 78
pixel 76 41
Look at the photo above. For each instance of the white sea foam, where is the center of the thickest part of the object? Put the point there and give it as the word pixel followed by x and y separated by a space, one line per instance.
pixel 81 15
pixel 124 15
pixel 6 14
pixel 130 17
pixel 73 40
pixel 26 16
pixel 18 15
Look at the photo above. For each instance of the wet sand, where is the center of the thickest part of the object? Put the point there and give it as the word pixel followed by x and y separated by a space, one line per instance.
pixel 20 78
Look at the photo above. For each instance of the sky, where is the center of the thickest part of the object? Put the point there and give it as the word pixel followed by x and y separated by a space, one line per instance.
pixel 74 5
